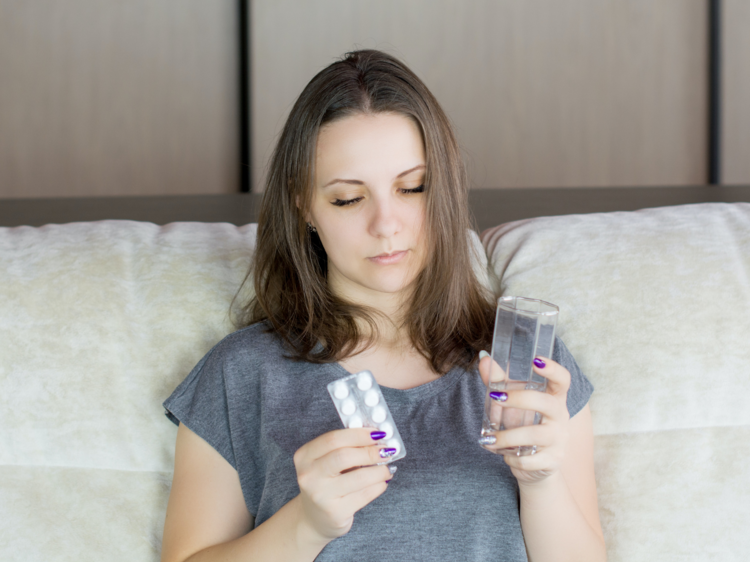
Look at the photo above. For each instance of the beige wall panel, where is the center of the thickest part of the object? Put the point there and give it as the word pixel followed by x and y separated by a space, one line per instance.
pixel 543 93
pixel 118 98
pixel 736 83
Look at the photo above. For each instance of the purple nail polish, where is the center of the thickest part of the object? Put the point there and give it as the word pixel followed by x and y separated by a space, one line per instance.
pixel 501 396
pixel 539 363
pixel 377 435
pixel 387 452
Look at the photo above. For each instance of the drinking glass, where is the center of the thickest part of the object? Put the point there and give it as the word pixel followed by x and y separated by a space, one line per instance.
pixel 524 329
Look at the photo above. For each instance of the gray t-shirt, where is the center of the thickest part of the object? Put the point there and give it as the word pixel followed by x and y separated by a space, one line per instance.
pixel 450 499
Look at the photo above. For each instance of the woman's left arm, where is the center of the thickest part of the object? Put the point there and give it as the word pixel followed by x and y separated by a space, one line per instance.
pixel 560 514
pixel 559 510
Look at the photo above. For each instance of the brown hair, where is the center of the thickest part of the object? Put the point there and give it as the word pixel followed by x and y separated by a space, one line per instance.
pixel 450 316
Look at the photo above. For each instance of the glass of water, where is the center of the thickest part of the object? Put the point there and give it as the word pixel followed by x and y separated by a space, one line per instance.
pixel 524 329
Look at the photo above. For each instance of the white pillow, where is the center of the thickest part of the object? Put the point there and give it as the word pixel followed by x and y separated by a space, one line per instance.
pixel 99 322
pixel 654 305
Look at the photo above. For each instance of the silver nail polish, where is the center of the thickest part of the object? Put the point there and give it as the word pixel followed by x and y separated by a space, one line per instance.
pixel 392 468
pixel 487 440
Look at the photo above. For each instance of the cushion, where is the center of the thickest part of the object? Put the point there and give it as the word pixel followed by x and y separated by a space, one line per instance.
pixel 100 322
pixel 654 306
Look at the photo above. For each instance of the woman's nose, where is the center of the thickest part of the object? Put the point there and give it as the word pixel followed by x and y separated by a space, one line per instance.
pixel 385 221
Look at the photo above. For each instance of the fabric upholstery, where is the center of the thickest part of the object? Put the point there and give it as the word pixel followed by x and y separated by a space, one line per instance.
pixel 100 321
pixel 654 306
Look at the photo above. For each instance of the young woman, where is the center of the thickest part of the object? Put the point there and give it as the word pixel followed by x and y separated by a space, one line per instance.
pixel 363 262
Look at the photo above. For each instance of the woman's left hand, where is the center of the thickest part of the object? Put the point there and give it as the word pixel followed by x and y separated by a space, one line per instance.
pixel 550 436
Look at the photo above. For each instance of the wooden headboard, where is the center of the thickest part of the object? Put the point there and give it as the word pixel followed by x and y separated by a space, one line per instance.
pixel 490 206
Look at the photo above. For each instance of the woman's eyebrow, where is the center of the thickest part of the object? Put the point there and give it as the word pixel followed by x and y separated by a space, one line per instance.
pixel 358 182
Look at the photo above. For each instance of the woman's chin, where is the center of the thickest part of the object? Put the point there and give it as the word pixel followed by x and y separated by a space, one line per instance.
pixel 391 286
pixel 364 285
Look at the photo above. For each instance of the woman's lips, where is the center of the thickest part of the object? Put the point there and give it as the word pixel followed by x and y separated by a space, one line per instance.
pixel 389 259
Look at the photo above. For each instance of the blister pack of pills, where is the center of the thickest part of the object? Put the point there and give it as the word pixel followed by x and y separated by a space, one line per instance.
pixel 360 403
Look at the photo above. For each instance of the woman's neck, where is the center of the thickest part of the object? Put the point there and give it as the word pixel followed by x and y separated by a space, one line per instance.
pixel 392 358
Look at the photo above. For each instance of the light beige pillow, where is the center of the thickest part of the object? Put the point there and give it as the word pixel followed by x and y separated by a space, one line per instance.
pixel 98 324
pixel 654 305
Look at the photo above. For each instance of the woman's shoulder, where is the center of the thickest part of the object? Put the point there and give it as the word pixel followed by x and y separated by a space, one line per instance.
pixel 580 387
pixel 237 359
pixel 252 343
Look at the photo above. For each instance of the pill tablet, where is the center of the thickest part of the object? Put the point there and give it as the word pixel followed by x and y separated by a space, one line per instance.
pixel 348 407
pixel 359 402
pixel 387 429
pixel 372 397
pixel 364 381
pixel 341 391
pixel 378 414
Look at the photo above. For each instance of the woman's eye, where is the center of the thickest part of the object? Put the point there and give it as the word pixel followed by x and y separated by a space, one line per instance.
pixel 345 202
pixel 419 189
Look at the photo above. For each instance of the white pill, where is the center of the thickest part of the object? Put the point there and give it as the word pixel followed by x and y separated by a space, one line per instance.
pixel 394 444
pixel 372 398
pixel 341 391
pixel 364 381
pixel 378 414
pixel 388 428
pixel 354 421
pixel 348 407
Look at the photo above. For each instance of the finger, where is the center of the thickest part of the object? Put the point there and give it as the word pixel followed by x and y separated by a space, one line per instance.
pixel 355 501
pixel 530 463
pixel 490 371
pixel 548 405
pixel 340 460
pixel 557 375
pixel 539 435
pixel 333 440
pixel 359 479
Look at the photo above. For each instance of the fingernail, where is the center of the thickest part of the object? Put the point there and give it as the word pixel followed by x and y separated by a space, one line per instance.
pixel 392 468
pixel 483 354
pixel 378 435
pixel 487 440
pixel 539 363
pixel 501 396
pixel 387 452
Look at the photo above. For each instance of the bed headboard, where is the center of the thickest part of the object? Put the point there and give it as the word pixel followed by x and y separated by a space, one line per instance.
pixel 489 206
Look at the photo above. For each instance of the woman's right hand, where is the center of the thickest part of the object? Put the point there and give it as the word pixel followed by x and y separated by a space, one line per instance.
pixel 331 490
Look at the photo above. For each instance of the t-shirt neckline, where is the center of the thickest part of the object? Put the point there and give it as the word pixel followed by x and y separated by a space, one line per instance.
pixel 416 393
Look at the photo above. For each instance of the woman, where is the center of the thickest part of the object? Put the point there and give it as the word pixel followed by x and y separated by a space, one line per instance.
pixel 362 262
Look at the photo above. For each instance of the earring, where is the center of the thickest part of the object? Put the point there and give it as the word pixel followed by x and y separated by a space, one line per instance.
pixel 311 228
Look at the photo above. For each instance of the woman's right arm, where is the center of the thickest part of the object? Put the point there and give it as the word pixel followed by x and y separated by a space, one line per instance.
pixel 207 518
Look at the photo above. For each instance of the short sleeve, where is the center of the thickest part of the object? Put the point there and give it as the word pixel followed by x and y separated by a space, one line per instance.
pixel 200 402
pixel 580 387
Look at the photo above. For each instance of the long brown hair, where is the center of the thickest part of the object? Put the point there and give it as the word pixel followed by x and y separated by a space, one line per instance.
pixel 450 315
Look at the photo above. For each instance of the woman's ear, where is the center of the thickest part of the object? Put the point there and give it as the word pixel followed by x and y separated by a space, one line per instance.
pixel 299 206
pixel 306 216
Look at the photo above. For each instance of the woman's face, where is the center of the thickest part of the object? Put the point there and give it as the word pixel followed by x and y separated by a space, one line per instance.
pixel 368 205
